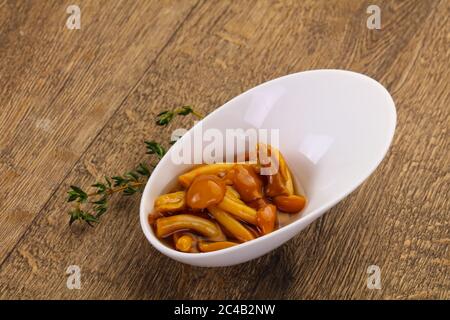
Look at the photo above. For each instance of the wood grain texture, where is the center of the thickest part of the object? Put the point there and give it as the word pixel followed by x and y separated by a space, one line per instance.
pixel 398 219
pixel 58 88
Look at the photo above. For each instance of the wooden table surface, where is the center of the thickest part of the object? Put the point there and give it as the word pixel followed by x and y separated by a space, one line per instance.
pixel 77 104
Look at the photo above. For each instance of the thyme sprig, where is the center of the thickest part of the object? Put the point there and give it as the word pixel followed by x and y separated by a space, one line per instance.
pixel 163 118
pixel 89 206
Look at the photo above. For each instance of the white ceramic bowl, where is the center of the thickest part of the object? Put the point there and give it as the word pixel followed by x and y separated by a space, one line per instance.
pixel 335 128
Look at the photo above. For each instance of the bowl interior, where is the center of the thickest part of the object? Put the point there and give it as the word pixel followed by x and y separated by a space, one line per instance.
pixel 334 129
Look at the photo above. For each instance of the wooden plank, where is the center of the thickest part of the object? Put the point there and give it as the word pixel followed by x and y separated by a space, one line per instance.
pixel 398 219
pixel 58 87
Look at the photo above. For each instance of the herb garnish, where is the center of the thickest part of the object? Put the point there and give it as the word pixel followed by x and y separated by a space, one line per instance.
pixel 88 207
pixel 163 118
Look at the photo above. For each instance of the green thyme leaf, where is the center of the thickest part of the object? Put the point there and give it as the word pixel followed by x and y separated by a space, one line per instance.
pixel 108 181
pixel 119 181
pixel 101 201
pixel 155 148
pixel 164 118
pixel 143 170
pixel 100 211
pixel 76 194
pixel 78 214
pixel 185 110
pixel 132 176
pixel 129 191
pixel 101 188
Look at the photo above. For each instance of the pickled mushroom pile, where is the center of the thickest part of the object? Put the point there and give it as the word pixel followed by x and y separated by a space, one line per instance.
pixel 220 205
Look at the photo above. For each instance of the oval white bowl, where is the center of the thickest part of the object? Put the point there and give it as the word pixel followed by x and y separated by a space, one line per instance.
pixel 335 127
